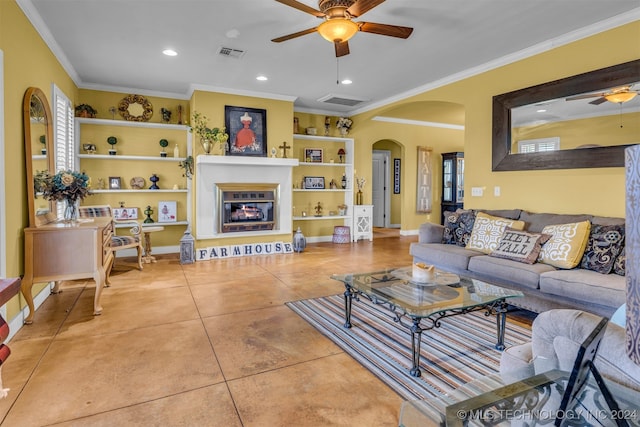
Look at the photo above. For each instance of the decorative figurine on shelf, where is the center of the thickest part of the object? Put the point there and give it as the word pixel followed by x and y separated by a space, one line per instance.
pixel 89 148
pixel 176 151
pixel 341 154
pixel 283 148
pixel 148 212
pixel 296 127
pixel 299 241
pixel 344 181
pixel 112 141
pixel 318 209
pixel 333 184
pixel 327 125
pixel 164 144
pixel 166 115
pixel 100 185
pixel 113 110
pixel 154 179
pixel 179 110
pixel 273 152
pixel 342 209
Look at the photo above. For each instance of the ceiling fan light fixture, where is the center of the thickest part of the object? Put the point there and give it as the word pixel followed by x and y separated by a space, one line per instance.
pixel 338 29
pixel 620 97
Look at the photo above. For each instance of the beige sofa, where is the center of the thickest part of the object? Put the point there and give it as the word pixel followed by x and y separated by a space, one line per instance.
pixel 545 286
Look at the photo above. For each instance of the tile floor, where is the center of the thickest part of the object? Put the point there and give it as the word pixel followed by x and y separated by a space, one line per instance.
pixel 207 344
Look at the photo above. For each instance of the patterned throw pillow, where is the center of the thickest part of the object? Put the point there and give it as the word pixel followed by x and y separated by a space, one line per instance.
pixel 619 264
pixel 521 246
pixel 457 227
pixel 565 247
pixel 603 247
pixel 487 231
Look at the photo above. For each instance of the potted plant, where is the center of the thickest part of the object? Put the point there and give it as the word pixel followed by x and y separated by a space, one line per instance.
pixel 112 140
pixel 86 110
pixel 164 144
pixel 43 141
pixel 207 135
pixel 187 166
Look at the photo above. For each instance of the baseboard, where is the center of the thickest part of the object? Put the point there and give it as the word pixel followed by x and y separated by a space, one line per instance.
pixel 17 322
pixel 409 232
pixel 157 250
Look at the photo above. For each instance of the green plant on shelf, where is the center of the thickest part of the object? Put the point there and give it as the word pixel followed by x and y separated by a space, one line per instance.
pixel 112 141
pixel 187 166
pixel 164 144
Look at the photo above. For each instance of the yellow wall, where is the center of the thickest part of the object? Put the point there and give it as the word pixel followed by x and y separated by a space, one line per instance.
pixel 27 62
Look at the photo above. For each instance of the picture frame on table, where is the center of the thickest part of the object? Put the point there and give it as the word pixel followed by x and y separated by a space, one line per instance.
pixel 313 155
pixel 167 211
pixel 247 129
pixel 314 182
pixel 115 183
pixel 125 213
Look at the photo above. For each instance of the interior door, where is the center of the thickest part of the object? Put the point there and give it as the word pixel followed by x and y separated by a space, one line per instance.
pixel 380 188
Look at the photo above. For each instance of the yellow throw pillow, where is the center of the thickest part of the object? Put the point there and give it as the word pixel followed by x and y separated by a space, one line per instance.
pixel 567 243
pixel 487 231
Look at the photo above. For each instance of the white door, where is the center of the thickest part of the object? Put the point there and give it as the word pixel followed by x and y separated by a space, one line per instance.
pixel 380 188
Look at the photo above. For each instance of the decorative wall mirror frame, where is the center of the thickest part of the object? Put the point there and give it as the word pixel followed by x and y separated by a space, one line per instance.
pixel 37 117
pixel 596 157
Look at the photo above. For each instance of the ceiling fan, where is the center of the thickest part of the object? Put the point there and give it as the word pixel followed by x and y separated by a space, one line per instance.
pixel 338 26
pixel 616 95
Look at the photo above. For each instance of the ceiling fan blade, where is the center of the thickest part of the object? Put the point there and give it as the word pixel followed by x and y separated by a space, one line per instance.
pixel 598 101
pixel 294 35
pixel 302 7
pixel 590 95
pixel 342 48
pixel 360 7
pixel 385 30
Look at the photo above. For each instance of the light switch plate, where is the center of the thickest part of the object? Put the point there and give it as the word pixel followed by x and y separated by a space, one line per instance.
pixel 476 191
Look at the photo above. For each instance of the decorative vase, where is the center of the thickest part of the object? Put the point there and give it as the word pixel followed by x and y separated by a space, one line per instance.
pixel 154 179
pixel 70 211
pixel 299 241
pixel 206 145
pixel 359 198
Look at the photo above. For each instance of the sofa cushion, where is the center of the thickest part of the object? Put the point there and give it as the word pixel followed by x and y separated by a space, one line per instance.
pixel 503 213
pixel 527 275
pixel 620 263
pixel 566 246
pixel 603 247
pixel 520 245
pixel 487 231
pixel 537 221
pixel 585 285
pixel 457 227
pixel 448 257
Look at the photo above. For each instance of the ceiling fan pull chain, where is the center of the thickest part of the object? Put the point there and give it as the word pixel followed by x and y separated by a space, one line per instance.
pixel 338 71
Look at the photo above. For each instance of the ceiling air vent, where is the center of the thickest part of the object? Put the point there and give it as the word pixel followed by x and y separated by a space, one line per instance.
pixel 230 52
pixel 341 100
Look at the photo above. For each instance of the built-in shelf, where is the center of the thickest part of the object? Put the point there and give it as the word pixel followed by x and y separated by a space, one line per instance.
pixel 119 157
pixel 324 164
pixel 336 190
pixel 151 224
pixel 324 217
pixel 124 190
pixel 108 122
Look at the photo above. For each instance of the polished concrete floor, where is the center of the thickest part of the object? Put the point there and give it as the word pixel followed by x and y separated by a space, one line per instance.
pixel 207 344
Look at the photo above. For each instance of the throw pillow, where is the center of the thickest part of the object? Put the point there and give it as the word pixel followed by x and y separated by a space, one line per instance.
pixel 457 227
pixel 567 243
pixel 620 263
pixel 603 247
pixel 487 231
pixel 521 246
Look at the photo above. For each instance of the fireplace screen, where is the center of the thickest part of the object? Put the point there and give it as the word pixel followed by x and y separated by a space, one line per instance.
pixel 248 209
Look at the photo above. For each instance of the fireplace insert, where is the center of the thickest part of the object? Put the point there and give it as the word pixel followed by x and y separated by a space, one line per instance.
pixel 252 208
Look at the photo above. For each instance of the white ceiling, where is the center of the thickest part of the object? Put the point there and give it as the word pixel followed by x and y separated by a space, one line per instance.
pixel 117 44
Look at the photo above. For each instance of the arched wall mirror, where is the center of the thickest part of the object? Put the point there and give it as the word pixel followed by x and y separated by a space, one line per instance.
pixel 39 154
pixel 584 94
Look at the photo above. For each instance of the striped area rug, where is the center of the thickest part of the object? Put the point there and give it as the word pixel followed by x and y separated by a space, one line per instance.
pixel 459 351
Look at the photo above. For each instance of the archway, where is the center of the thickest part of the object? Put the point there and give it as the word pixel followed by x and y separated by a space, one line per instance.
pixel 385 185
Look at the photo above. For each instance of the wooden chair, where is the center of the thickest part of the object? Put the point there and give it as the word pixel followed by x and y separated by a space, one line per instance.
pixel 117 242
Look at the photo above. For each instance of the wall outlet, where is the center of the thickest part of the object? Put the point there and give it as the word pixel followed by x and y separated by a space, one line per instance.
pixel 496 191
pixel 477 191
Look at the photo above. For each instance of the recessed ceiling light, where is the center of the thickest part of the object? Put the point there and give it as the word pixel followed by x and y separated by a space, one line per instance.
pixel 542 110
pixel 170 52
pixel 262 78
pixel 346 82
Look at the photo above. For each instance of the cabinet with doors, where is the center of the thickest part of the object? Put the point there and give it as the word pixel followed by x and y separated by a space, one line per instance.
pixel 322 184
pixel 452 182
pixel 142 173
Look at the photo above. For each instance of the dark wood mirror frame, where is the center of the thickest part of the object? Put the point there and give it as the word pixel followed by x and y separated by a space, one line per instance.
pixel 36 219
pixel 598 157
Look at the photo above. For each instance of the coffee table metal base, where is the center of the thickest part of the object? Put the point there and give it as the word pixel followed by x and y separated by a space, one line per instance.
pixel 497 308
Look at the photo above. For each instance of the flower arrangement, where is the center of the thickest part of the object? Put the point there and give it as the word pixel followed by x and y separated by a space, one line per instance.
pixel 344 123
pixel 201 128
pixel 65 185
pixel 360 182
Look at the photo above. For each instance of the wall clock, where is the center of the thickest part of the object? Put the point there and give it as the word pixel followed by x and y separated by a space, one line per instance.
pixel 137 182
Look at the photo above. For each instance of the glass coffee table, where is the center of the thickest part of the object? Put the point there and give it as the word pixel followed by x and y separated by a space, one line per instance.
pixel 422 306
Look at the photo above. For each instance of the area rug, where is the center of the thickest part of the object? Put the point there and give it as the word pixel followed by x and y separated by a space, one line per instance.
pixel 459 351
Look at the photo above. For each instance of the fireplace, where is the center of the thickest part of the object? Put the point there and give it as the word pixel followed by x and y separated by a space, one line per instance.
pixel 257 200
pixel 247 207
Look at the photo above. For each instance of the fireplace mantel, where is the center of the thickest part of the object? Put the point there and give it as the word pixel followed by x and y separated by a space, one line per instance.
pixel 214 170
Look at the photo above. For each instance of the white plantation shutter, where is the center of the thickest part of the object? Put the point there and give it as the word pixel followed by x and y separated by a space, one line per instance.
pixel 536 145
pixel 63 135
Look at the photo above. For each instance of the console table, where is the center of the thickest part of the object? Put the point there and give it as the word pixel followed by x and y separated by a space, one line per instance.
pixel 67 251
pixel 362 222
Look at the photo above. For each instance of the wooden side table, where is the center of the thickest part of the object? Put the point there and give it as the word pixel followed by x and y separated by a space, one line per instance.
pixel 147 258
pixel 362 222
